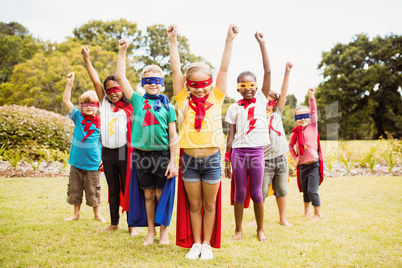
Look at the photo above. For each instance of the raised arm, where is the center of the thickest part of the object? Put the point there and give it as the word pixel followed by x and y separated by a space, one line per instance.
pixel 221 79
pixel 285 85
pixel 121 69
pixel 313 106
pixel 92 74
pixel 266 84
pixel 67 93
pixel 178 82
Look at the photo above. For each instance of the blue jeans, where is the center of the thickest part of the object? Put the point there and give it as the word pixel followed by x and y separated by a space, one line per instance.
pixel 206 169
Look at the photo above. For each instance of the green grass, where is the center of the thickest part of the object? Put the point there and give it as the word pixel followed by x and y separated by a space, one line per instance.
pixel 361 228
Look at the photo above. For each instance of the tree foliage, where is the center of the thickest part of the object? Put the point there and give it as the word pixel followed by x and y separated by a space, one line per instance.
pixel 16 46
pixel 107 34
pixel 362 87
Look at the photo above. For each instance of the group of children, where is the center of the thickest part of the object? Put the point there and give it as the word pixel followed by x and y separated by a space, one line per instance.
pixel 135 142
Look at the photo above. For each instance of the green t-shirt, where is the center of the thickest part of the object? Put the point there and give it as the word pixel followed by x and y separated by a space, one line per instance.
pixel 150 127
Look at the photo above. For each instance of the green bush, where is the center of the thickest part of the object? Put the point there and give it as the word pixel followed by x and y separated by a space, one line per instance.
pixel 30 129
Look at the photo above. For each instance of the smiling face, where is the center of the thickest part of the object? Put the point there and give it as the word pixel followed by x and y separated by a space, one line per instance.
pixel 247 92
pixel 89 109
pixel 116 96
pixel 305 121
pixel 202 91
pixel 152 89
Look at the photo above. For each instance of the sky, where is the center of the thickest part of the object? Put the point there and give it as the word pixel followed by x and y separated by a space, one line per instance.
pixel 294 31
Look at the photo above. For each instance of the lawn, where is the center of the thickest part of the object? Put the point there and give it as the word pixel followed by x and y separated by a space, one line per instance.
pixel 361 227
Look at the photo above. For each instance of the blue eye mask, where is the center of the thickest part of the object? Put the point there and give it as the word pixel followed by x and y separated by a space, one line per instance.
pixel 152 80
pixel 302 116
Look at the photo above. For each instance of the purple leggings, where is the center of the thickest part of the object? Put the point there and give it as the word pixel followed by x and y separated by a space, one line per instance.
pixel 248 161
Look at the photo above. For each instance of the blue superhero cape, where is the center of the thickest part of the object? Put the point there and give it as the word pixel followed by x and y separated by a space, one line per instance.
pixel 137 215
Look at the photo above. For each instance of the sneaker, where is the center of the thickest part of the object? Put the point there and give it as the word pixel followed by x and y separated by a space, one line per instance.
pixel 195 251
pixel 206 252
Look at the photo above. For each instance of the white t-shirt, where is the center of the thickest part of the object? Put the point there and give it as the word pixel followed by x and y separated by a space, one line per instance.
pixel 113 126
pixel 279 145
pixel 237 115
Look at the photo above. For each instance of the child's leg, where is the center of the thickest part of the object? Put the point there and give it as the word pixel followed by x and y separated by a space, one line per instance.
pixel 150 210
pixel 194 194
pixel 163 239
pixel 313 184
pixel 75 192
pixel 76 214
pixel 304 184
pixel 209 193
pixel 239 167
pixel 307 210
pixel 256 174
pixel 97 214
pixel 280 186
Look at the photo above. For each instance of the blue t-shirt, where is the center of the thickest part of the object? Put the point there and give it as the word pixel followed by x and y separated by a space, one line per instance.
pixel 88 154
pixel 150 127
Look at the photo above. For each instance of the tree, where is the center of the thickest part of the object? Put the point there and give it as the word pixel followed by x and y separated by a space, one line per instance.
pixel 155 50
pixel 291 101
pixel 40 82
pixel 363 80
pixel 107 34
pixel 16 46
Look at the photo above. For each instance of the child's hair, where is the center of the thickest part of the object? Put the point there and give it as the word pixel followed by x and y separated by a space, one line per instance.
pixel 275 96
pixel 245 74
pixel 195 67
pixel 301 108
pixel 89 96
pixel 152 68
pixel 113 78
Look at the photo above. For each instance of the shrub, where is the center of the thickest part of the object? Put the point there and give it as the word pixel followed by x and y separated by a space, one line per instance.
pixel 29 128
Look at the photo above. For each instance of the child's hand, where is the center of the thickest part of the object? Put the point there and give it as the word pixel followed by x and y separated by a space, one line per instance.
pixel 289 67
pixel 123 44
pixel 228 170
pixel 297 160
pixel 259 37
pixel 233 31
pixel 85 53
pixel 311 92
pixel 171 170
pixel 70 78
pixel 172 31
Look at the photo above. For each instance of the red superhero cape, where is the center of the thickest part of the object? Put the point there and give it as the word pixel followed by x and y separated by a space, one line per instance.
pixel 321 166
pixel 184 237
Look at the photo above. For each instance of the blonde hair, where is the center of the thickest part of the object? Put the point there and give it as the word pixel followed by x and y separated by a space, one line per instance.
pixel 275 96
pixel 301 108
pixel 152 68
pixel 193 68
pixel 89 96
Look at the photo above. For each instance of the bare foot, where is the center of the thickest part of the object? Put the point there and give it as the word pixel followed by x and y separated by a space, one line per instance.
pixel 261 236
pixel 315 218
pixel 252 224
pixel 238 235
pixel 164 239
pixel 100 218
pixel 133 232
pixel 149 239
pixel 110 228
pixel 286 223
pixel 306 213
pixel 72 218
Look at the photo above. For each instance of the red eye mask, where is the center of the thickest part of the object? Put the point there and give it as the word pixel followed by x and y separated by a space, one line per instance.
pixel 271 103
pixel 89 104
pixel 199 84
pixel 113 90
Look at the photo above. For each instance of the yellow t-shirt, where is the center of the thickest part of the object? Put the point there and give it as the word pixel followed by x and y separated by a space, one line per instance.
pixel 211 134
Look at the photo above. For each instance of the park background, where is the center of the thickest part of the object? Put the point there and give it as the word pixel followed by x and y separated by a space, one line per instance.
pixel 349 50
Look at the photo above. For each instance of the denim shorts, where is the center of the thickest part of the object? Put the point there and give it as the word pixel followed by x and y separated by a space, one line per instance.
pixel 151 167
pixel 206 169
pixel 276 172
